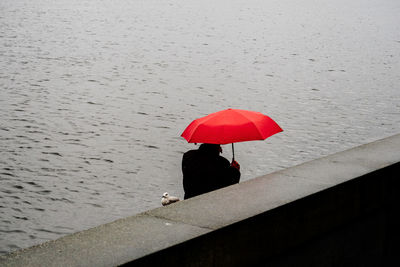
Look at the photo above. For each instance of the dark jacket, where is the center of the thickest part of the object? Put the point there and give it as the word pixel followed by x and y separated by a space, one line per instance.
pixel 204 170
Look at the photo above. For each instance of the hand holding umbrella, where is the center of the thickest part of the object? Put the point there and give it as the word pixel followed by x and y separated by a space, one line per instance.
pixel 236 165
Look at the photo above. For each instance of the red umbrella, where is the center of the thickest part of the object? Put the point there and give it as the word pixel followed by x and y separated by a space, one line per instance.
pixel 231 126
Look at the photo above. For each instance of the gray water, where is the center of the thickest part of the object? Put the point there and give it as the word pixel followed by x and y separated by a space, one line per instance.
pixel 95 94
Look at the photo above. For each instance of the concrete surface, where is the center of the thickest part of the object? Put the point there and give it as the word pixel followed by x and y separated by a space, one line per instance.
pixel 334 211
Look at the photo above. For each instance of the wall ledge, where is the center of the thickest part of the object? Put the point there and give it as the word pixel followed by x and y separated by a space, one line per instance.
pixel 204 221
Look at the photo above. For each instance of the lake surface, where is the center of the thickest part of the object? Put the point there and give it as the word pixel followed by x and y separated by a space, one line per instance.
pixel 95 94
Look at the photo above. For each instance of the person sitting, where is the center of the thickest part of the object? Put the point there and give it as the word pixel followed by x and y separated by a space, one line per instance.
pixel 204 170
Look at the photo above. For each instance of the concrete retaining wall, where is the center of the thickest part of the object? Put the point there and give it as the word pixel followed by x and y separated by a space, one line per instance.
pixel 334 211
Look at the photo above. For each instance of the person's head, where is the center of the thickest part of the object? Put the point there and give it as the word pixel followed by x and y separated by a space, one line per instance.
pixel 214 149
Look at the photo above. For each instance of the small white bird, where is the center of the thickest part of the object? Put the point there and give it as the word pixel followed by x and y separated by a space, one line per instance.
pixel 167 199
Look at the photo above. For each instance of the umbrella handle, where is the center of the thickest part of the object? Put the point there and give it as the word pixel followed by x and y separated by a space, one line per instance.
pixel 233 153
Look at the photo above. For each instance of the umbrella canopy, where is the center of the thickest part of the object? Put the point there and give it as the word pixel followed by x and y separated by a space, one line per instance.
pixel 231 126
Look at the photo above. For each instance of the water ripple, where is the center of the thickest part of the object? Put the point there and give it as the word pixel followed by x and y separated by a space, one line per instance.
pixel 91 116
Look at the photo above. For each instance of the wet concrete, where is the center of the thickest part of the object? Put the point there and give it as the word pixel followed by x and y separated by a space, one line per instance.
pixel 341 205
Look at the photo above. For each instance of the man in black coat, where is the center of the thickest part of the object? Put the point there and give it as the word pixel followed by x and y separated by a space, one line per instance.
pixel 204 170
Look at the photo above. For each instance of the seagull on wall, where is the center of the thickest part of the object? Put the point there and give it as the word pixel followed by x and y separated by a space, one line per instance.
pixel 167 199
